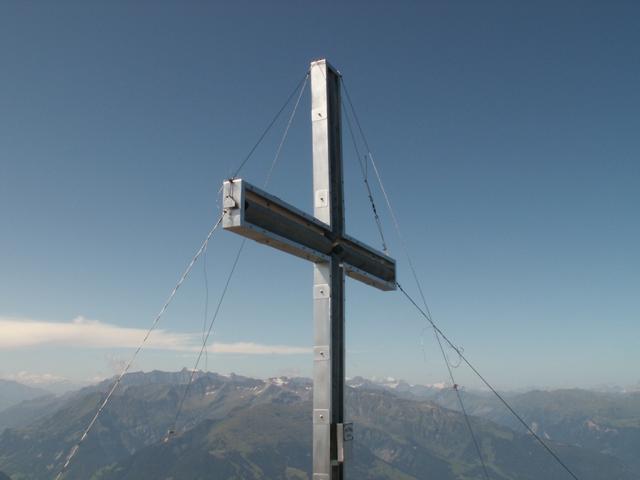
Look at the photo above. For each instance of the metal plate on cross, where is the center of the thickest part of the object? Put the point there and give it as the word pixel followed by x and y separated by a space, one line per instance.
pixel 347 432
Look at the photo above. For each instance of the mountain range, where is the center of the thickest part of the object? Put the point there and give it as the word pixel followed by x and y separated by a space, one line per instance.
pixel 12 393
pixel 604 421
pixel 235 427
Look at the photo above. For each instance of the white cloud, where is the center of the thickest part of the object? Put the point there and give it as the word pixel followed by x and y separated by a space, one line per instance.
pixel 82 332
pixel 29 378
pixel 249 348
pixel 18 333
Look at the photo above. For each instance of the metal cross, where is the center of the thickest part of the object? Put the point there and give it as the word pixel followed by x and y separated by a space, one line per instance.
pixel 321 239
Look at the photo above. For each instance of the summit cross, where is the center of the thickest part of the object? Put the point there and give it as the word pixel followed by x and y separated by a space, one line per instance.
pixel 321 239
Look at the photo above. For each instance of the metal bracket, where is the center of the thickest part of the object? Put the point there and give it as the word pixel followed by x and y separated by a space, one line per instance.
pixel 344 437
pixel 321 353
pixel 321 416
pixel 318 114
pixel 229 202
pixel 321 291
pixel 322 198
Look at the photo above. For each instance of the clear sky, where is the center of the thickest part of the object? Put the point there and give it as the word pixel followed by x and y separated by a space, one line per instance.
pixel 508 135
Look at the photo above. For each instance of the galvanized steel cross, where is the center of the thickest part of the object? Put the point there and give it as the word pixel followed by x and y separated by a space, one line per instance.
pixel 321 238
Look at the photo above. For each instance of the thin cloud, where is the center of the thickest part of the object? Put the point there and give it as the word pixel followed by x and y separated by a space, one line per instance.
pixel 16 333
pixel 249 348
pixel 28 378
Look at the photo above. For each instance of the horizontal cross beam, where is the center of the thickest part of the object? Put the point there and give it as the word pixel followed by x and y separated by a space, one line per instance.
pixel 253 213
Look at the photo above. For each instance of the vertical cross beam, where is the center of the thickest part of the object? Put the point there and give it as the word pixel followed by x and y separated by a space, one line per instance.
pixel 328 281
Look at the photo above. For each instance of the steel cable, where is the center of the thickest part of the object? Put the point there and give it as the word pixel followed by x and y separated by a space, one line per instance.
pixel 363 170
pixel 172 430
pixel 115 385
pixel 489 386
pixel 271 123
pixel 462 407
pixel 185 274
pixel 205 340
pixel 413 270
pixel 427 314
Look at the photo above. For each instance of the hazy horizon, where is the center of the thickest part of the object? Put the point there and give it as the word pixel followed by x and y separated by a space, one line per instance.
pixel 59 384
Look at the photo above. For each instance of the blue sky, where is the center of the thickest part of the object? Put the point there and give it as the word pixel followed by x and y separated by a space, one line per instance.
pixel 506 134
